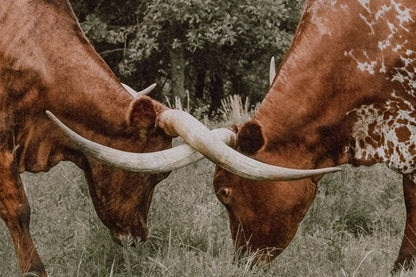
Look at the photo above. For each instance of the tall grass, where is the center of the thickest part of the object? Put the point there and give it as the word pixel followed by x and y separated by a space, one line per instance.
pixel 354 228
pixel 234 110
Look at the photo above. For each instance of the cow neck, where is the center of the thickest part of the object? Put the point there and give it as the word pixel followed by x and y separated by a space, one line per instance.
pixel 314 91
pixel 46 46
pixel 55 68
pixel 81 87
pixel 87 97
pixel 303 116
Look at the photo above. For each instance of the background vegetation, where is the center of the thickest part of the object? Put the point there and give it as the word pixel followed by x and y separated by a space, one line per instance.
pixel 206 49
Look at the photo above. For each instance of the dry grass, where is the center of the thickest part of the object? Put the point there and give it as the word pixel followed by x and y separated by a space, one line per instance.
pixel 234 110
pixel 354 228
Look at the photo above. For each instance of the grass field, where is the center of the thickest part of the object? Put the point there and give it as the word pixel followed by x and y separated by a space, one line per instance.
pixel 354 228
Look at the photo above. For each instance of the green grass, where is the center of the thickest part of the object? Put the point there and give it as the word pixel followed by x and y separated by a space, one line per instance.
pixel 354 228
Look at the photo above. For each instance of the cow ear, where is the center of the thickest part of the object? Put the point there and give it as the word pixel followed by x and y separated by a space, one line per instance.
pixel 250 138
pixel 142 113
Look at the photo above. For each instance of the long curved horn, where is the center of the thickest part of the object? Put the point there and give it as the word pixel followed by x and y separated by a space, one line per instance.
pixel 156 162
pixel 200 138
pixel 136 94
pixel 272 71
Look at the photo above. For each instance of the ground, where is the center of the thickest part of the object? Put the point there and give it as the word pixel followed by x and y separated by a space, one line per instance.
pixel 354 228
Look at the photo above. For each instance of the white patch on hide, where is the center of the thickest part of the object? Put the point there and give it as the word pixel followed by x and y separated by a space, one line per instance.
pixel 389 23
pixel 369 23
pixel 382 12
pixel 366 66
pixel 405 74
pixel 376 134
pixel 403 14
pixel 365 4
pixel 321 22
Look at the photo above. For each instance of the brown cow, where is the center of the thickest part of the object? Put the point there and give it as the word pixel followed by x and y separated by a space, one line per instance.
pixel 345 93
pixel 46 63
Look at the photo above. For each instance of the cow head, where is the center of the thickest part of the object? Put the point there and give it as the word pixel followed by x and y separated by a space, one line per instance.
pixel 264 215
pixel 349 65
pixel 122 198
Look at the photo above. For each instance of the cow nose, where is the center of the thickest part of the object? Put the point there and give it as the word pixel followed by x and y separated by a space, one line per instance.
pixel 264 256
pixel 126 239
pixel 262 259
pixel 259 257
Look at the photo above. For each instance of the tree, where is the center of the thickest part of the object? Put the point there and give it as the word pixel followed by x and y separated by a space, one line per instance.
pixel 209 48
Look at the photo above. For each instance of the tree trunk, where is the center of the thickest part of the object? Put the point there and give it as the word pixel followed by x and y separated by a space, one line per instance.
pixel 200 83
pixel 178 72
pixel 217 92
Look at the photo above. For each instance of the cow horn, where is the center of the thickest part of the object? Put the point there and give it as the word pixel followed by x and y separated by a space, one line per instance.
pixel 200 138
pixel 272 71
pixel 156 162
pixel 136 94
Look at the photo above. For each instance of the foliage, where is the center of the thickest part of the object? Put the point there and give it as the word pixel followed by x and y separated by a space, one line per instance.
pixel 220 47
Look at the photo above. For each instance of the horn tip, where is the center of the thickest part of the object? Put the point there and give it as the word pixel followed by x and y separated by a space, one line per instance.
pixel 335 169
pixel 50 114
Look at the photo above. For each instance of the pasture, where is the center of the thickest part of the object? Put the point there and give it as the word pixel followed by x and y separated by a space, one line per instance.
pixel 354 228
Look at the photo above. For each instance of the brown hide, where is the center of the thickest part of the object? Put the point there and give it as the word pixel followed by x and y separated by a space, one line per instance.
pixel 344 93
pixel 46 63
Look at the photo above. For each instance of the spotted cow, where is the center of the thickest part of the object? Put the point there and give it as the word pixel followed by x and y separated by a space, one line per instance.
pixel 344 93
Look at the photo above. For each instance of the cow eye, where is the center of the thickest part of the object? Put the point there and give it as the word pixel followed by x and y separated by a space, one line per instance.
pixel 224 195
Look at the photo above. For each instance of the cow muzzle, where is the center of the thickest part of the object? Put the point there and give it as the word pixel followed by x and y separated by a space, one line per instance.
pixel 127 239
pixel 259 257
